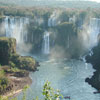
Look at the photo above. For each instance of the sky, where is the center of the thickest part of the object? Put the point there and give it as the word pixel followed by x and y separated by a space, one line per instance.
pixel 95 0
pixel 87 0
pixel 56 0
pixel 78 0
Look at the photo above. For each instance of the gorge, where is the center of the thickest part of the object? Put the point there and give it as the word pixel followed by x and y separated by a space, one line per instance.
pixel 61 41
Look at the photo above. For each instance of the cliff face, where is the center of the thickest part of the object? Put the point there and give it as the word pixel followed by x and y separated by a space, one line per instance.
pixel 7 48
pixel 95 61
pixel 8 55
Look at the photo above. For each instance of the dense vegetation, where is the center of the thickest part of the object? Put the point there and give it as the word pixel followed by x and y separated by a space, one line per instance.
pixel 3 81
pixel 8 55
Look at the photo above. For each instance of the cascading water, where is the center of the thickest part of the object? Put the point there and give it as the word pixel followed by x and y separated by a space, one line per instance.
pixel 94 31
pixel 46 44
pixel 16 28
pixel 52 21
pixel 68 43
pixel 7 30
pixel 90 36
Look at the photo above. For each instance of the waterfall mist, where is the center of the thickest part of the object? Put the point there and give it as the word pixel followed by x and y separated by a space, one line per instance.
pixel 58 52
pixel 17 28
pixel 60 38
pixel 88 36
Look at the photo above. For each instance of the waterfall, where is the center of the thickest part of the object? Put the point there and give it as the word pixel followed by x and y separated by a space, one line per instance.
pixel 7 30
pixel 94 28
pixel 17 28
pixel 90 32
pixel 90 36
pixel 68 42
pixel 52 21
pixel 94 31
pixel 46 44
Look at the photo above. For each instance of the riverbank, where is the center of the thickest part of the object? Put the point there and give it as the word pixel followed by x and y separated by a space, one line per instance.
pixel 16 82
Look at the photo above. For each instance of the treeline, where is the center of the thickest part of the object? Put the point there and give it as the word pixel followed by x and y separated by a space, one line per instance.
pixel 54 3
pixel 23 11
pixel 14 10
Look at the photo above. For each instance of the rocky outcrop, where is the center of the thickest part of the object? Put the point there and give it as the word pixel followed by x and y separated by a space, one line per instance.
pixel 95 61
pixel 8 55
pixel 7 48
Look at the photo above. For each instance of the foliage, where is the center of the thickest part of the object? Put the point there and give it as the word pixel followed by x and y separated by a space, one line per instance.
pixel 12 70
pixel 24 92
pixel 27 63
pixel 3 84
pixel 11 64
pixel 2 73
pixel 3 81
pixel 50 93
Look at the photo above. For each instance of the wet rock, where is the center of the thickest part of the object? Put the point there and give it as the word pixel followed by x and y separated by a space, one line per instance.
pixel 95 61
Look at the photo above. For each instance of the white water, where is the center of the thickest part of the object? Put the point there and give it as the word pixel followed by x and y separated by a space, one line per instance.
pixel 68 42
pixel 46 43
pixel 16 28
pixel 90 35
pixel 53 21
pixel 94 29
pixel 8 33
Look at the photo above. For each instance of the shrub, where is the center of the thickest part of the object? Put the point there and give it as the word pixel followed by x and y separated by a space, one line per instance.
pixel 50 93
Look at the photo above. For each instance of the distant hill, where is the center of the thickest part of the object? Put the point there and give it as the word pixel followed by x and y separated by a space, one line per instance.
pixel 52 3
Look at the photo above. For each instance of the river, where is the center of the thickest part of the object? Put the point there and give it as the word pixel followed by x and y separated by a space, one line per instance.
pixel 66 75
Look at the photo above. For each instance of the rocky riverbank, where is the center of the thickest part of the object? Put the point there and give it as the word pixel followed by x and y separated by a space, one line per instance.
pixel 18 79
pixel 95 61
